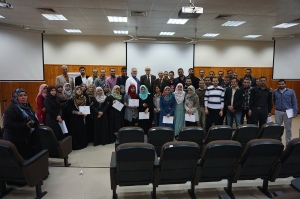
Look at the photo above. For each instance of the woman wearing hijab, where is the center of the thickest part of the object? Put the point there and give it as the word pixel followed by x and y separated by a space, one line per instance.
pixel 62 98
pixel 167 106
pixel 179 96
pixel 41 110
pixel 100 118
pixel 131 112
pixel 146 106
pixel 77 124
pixel 191 105
pixel 54 113
pixel 115 117
pixel 156 99
pixel 90 95
pixel 67 90
pixel 20 124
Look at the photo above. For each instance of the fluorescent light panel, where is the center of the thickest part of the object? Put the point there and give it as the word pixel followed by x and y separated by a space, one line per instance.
pixel 233 23
pixel 73 30
pixel 116 19
pixel 252 36
pixel 210 34
pixel 167 33
pixel 177 21
pixel 1 17
pixel 56 17
pixel 121 32
pixel 285 25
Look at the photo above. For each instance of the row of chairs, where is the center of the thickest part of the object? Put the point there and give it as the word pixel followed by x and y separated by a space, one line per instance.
pixel 137 163
pixel 158 136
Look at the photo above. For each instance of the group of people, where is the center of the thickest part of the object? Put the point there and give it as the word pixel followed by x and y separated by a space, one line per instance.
pixel 162 101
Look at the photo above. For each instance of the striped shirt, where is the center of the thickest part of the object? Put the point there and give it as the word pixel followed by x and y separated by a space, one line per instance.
pixel 214 97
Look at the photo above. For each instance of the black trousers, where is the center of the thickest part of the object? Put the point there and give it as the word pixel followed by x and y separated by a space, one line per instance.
pixel 213 117
pixel 259 116
pixel 245 112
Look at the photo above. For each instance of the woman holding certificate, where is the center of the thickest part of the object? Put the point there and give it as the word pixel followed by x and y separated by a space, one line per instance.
pixel 156 99
pixel 101 129
pixel 54 112
pixel 131 112
pixel 145 109
pixel 77 123
pixel 191 106
pixel 179 96
pixel 115 115
pixel 167 107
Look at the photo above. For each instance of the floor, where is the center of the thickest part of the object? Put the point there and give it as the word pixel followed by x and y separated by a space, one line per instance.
pixel 67 183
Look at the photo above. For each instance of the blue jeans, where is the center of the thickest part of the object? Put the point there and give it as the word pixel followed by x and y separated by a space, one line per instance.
pixel 237 115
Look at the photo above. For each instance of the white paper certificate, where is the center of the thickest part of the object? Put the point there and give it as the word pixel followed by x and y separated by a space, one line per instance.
pixel 63 127
pixel 289 113
pixel 168 120
pixel 133 102
pixel 118 105
pixel 190 118
pixel 144 116
pixel 85 110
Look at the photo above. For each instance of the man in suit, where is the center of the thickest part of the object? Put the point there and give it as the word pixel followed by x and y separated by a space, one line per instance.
pixel 64 78
pixel 82 78
pixel 160 82
pixel 148 79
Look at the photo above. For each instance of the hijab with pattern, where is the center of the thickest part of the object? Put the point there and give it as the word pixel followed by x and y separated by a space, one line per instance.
pixel 116 94
pixel 192 96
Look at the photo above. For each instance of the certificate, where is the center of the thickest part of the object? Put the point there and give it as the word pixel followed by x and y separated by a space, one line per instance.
pixel 85 110
pixel 133 102
pixel 289 113
pixel 190 118
pixel 118 105
pixel 168 120
pixel 63 127
pixel 143 115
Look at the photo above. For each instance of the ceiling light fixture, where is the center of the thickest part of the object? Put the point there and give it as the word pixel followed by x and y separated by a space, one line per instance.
pixel 1 17
pixel 73 30
pixel 177 21
pixel 54 17
pixel 116 19
pixel 210 34
pixel 285 25
pixel 4 4
pixel 167 33
pixel 121 32
pixel 233 23
pixel 251 36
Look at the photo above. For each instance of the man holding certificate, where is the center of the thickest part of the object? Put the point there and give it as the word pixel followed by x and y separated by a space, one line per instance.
pixel 145 109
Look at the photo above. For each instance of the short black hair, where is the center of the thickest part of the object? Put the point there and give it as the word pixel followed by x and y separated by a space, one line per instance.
pixel 281 80
pixel 172 72
pixel 81 67
pixel 123 68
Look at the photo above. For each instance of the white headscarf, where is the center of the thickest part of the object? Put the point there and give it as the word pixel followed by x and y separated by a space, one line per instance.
pixel 179 95
pixel 100 98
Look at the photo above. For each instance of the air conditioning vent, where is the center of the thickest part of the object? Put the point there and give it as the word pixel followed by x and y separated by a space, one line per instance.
pixel 223 17
pixel 138 14
pixel 47 10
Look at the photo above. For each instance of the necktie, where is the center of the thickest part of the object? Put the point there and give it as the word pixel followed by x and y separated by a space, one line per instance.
pixel 160 83
pixel 149 79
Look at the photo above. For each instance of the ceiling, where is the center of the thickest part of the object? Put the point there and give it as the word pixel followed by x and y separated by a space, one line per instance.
pixel 90 16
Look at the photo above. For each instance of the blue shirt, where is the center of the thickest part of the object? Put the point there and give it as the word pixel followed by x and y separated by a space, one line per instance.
pixel 285 100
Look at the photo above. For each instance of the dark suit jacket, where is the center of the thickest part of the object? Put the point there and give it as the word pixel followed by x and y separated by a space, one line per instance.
pixel 161 85
pixel 144 81
pixel 78 80
pixel 237 99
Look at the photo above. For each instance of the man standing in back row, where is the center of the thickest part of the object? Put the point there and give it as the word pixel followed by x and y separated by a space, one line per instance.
pixel 148 79
pixel 285 101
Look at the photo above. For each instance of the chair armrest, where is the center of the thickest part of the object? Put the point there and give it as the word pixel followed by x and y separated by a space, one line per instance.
pixel 113 170
pixel 36 168
pixel 156 172
pixel 65 147
pixel 113 160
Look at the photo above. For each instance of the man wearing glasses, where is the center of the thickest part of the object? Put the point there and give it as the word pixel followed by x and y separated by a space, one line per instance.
pixel 64 78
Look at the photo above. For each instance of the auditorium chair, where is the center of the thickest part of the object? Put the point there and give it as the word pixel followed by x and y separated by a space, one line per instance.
pixel 192 134
pixel 257 161
pixel 218 162
pixel 244 133
pixel 177 163
pixel 271 131
pixel 158 136
pixel 132 164
pixel 14 169
pixel 130 134
pixel 57 149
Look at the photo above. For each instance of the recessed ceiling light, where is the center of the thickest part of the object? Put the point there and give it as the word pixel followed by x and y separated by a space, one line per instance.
pixel 116 19
pixel 252 36
pixel 54 17
pixel 73 30
pixel 285 25
pixel 177 21
pixel 233 23
pixel 210 34
pixel 121 32
pixel 1 17
pixel 166 33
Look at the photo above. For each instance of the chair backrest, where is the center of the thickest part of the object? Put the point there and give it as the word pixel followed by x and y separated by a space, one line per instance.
pixel 192 134
pixel 10 162
pixel 178 162
pixel 48 141
pixel 271 131
pixel 244 133
pixel 290 160
pixel 218 132
pixel 158 136
pixel 130 134
pixel 259 158
pixel 135 164
pixel 219 160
